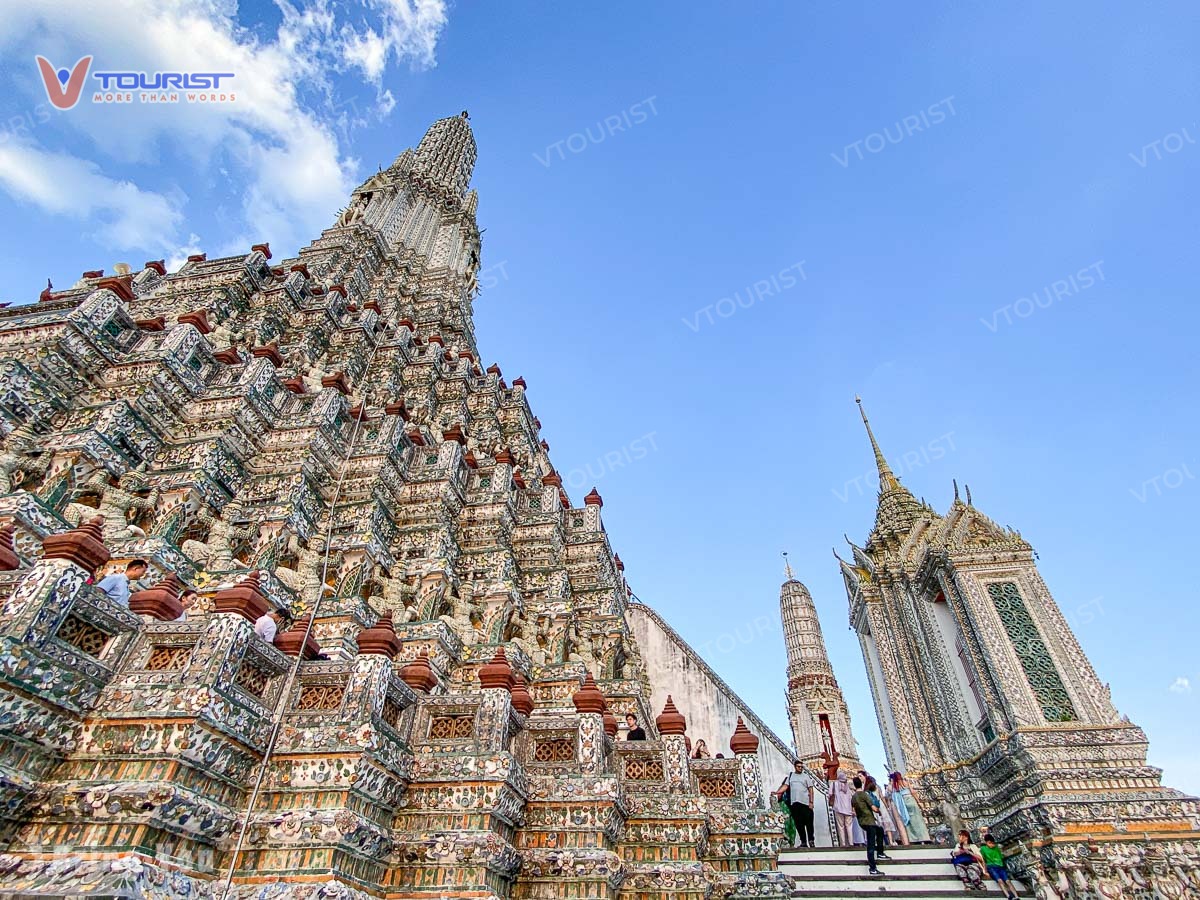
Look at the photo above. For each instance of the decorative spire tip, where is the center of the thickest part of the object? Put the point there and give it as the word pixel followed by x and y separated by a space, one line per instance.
pixel 887 480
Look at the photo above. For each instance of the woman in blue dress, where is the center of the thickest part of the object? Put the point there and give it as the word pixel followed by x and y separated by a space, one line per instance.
pixel 909 811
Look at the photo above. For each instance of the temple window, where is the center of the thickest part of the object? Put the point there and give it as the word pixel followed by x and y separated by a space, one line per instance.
pixel 555 750
pixel 252 679
pixel 320 697
pixel 83 636
pixel 1044 680
pixel 641 768
pixel 166 658
pixel 451 728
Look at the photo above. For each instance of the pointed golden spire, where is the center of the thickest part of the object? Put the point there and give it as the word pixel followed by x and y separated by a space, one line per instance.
pixel 887 480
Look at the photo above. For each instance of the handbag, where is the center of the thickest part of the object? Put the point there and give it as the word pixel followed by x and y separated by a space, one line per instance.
pixel 789 827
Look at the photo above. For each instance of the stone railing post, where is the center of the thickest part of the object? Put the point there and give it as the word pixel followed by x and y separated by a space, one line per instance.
pixel 672 729
pixel 495 705
pixel 590 704
pixel 744 745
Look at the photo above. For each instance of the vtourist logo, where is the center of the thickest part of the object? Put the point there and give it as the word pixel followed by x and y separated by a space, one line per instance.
pixel 64 87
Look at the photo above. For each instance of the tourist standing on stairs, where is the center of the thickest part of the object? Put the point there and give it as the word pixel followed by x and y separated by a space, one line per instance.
pixel 910 812
pixel 800 802
pixel 866 810
pixel 883 817
pixel 841 796
pixel 893 824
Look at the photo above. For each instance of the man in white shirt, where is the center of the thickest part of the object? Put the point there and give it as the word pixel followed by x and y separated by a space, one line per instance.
pixel 268 625
pixel 800 801
pixel 116 584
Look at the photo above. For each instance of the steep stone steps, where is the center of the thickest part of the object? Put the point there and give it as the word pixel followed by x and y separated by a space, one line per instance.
pixel 913 873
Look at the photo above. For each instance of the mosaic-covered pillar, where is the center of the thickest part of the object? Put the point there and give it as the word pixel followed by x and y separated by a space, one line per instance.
pixel 495 705
pixel 745 749
pixel 61 640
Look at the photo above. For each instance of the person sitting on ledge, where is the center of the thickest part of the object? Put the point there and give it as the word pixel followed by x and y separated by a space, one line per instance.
pixel 636 732
pixel 116 584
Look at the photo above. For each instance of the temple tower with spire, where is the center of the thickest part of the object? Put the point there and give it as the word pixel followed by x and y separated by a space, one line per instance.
pixel 989 704
pixel 817 710
pixel 318 435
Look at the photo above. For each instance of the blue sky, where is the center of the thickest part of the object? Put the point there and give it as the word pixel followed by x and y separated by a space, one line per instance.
pixel 757 140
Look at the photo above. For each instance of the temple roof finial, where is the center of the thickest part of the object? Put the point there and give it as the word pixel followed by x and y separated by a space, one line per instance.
pixel 887 480
pixel 787 567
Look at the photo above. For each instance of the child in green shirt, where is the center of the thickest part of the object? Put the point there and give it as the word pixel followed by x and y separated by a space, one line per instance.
pixel 994 860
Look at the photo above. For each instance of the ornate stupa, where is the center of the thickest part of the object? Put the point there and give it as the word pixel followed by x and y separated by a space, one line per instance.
pixel 988 703
pixel 319 438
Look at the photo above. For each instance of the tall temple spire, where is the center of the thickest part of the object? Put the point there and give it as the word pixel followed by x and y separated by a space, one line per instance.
pixel 897 509
pixel 887 480
pixel 787 567
pixel 445 158
pixel 817 710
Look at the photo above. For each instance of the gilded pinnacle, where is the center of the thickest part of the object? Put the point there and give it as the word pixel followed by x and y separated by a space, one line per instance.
pixel 887 480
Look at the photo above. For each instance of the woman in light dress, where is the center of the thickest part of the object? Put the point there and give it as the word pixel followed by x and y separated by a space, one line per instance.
pixel 908 810
pixel 886 820
pixel 893 806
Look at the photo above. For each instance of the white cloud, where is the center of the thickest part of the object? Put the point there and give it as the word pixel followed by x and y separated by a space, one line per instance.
pixel 124 216
pixel 281 140
pixel 1181 685
pixel 177 257
pixel 368 51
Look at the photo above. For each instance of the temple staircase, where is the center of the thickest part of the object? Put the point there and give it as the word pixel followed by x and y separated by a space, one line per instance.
pixel 914 873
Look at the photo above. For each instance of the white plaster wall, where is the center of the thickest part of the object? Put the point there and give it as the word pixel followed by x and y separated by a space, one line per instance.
pixel 710 706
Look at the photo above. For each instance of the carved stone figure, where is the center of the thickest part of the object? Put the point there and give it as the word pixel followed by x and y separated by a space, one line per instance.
pixel 22 458
pixel 225 531
pixel 463 617
pixel 121 504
